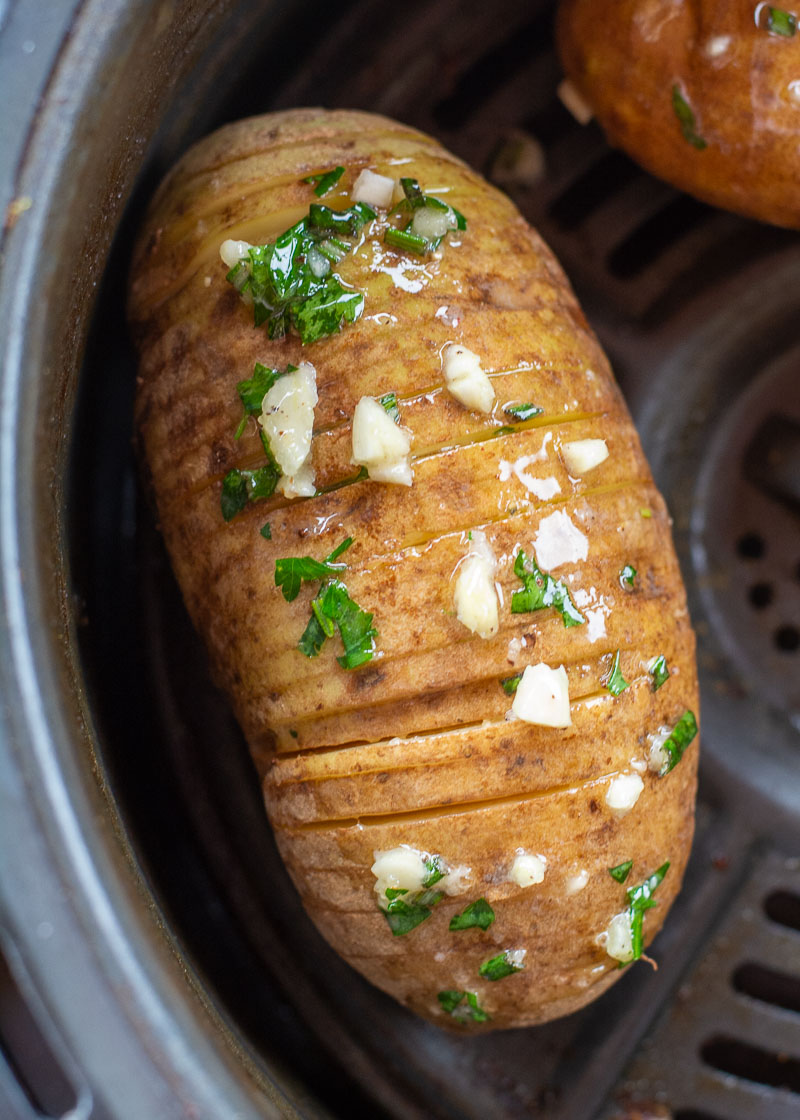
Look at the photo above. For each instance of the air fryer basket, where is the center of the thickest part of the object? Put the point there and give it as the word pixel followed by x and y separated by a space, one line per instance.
pixel 148 929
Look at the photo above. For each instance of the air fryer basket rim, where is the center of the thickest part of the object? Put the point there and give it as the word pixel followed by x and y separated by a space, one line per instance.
pixel 75 918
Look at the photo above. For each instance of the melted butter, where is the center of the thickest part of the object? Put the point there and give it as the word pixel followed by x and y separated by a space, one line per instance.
pixel 558 541
pixel 542 488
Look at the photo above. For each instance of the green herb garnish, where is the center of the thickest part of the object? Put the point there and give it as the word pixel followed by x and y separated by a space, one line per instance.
pixel 242 486
pixel 323 181
pixel 407 237
pixel 616 683
pixel 780 22
pixel 266 531
pixel 290 572
pixel 254 389
pixel 478 914
pixel 685 116
pixel 504 430
pixel 404 916
pixel 498 967
pixel 451 1002
pixel 627 576
pixel 509 684
pixel 434 871
pixel 522 411
pixel 541 591
pixel 621 871
pixel 640 899
pixel 389 402
pixel 679 739
pixel 659 671
pixel 290 280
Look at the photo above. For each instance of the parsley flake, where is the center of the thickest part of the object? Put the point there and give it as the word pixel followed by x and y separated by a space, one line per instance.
pixel 478 915
pixel 523 411
pixel 778 21
pixel 266 531
pixel 404 916
pixel 242 486
pixel 499 967
pixel 678 740
pixel 685 115
pixel 616 683
pixel 290 281
pixel 640 898
pixel 324 181
pixel 621 871
pixel 509 684
pixel 389 402
pixel 418 239
pixel 293 570
pixel 659 671
pixel 254 389
pixel 452 1003
pixel 541 591
pixel 627 577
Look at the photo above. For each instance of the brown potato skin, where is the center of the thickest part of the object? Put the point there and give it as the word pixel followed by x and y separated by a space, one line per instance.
pixel 414 748
pixel 740 80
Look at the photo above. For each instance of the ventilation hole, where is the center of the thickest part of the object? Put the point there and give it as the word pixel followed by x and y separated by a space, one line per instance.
pixel 761 595
pixel 768 985
pixel 783 908
pixel 29 1055
pixel 656 235
pixel 589 191
pixel 751 546
pixel 787 638
pixel 751 1063
pixel 492 70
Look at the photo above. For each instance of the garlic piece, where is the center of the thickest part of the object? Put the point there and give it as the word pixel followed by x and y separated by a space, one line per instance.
pixel 542 696
pixel 431 222
pixel 475 593
pixel 232 251
pixel 657 757
pixel 380 445
pixel 401 868
pixel 287 419
pixel 623 792
pixel 375 190
pixel 583 455
pixel 466 380
pixel 526 870
pixel 574 102
pixel 578 882
pixel 619 939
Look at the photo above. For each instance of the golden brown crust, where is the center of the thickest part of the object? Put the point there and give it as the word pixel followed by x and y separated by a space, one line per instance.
pixel 740 80
pixel 414 747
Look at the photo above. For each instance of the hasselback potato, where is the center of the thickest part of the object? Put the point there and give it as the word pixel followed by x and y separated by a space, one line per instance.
pixel 412 521
pixel 703 94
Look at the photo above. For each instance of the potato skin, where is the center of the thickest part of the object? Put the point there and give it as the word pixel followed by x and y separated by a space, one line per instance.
pixel 414 748
pixel 625 57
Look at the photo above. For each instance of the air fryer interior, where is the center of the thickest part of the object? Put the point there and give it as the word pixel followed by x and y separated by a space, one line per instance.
pixel 696 309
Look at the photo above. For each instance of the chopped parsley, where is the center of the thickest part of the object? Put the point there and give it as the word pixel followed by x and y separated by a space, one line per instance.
pixel 509 684
pixel 640 898
pixel 266 531
pixel 452 1003
pixel 498 967
pixel 678 740
pixel 254 389
pixel 627 576
pixel 478 915
pixel 541 591
pixel 616 683
pixel 659 671
pixel 290 280
pixel 324 181
pixel 409 238
pixel 242 486
pixel 332 608
pixel 389 402
pixel 683 112
pixel 522 411
pixel 505 430
pixel 404 916
pixel 780 22
pixel 290 572
pixel 621 871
